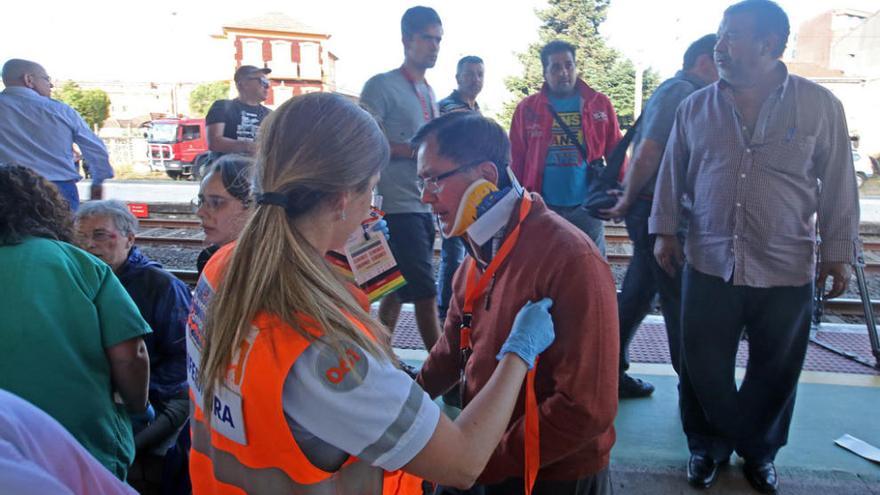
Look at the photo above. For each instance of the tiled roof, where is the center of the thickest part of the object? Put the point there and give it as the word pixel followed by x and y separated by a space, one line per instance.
pixel 278 22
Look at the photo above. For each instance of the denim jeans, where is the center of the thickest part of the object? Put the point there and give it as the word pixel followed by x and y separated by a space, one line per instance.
pixel 451 255
pixel 68 191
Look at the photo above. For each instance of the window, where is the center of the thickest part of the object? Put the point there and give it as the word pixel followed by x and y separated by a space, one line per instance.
pixel 282 61
pixel 252 52
pixel 191 132
pixel 309 61
pixel 281 94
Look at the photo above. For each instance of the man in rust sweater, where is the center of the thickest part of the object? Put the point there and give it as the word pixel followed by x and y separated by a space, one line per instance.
pixel 528 252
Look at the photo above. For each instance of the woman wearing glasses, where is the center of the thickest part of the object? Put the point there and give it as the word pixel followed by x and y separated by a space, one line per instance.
pixel 224 203
pixel 294 383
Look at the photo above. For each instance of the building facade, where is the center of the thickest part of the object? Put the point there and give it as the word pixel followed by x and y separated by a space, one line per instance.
pixel 296 53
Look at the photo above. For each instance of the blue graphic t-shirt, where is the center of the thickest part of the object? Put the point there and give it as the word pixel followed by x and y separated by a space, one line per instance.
pixel 565 173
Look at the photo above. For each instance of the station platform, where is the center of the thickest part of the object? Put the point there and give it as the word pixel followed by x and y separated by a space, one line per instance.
pixel 836 396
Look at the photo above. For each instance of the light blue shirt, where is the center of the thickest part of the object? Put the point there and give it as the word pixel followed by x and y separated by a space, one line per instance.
pixel 39 132
pixel 565 173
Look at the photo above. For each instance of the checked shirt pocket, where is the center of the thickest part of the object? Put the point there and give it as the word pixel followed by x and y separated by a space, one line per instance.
pixel 791 156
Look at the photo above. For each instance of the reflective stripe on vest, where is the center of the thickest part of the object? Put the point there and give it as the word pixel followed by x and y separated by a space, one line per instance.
pixel 269 460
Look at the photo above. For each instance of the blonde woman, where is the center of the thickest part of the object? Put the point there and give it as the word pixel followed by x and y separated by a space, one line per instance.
pixel 294 384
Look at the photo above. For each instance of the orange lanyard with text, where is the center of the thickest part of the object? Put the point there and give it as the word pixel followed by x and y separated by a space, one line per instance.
pixel 427 104
pixel 474 290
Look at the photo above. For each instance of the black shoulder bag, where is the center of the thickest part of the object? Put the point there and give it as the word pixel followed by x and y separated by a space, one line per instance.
pixel 601 177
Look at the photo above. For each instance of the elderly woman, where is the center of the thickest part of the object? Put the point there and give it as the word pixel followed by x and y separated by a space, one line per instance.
pixel 107 229
pixel 71 334
pixel 224 202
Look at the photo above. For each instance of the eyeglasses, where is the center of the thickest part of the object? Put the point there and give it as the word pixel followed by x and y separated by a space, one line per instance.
pixel 432 184
pixel 263 81
pixel 95 236
pixel 215 203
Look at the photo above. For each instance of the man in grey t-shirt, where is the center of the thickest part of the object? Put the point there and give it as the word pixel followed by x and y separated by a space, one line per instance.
pixel 402 101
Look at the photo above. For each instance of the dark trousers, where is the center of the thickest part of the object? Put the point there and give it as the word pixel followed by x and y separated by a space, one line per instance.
pixel 451 255
pixel 754 420
pixel 644 278
pixel 597 484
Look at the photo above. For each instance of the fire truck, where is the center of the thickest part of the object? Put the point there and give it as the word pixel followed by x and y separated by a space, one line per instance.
pixel 177 146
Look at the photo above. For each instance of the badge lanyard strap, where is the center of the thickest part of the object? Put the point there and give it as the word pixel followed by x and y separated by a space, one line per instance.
pixel 427 105
pixel 474 290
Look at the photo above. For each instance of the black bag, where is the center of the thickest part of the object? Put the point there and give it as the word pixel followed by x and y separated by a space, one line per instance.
pixel 601 177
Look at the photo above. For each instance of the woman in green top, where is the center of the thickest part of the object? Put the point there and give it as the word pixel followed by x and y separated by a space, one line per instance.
pixel 71 335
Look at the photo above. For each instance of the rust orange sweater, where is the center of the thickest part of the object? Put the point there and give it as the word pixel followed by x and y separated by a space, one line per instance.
pixel 576 379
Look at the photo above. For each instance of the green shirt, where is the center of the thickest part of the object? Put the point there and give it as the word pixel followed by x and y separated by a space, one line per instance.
pixel 61 308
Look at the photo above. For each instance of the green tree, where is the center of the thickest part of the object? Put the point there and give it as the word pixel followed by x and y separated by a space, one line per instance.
pixel 204 95
pixel 92 104
pixel 602 67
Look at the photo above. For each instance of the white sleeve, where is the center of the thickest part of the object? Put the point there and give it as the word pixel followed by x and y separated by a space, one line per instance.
pixel 361 405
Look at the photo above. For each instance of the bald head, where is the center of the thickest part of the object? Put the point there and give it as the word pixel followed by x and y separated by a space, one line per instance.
pixel 24 73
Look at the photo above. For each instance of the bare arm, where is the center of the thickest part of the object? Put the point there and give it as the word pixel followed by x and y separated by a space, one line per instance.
pixel 221 144
pixel 130 372
pixel 457 452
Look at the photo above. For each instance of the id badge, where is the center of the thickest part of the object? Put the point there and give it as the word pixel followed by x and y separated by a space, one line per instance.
pixel 369 256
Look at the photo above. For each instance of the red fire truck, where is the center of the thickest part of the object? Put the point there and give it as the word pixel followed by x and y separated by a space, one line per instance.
pixel 176 145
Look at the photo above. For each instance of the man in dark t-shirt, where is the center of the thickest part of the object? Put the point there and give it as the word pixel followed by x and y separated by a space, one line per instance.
pixel 233 124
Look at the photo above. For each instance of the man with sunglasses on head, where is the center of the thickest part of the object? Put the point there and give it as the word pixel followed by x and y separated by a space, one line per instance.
pixel 233 124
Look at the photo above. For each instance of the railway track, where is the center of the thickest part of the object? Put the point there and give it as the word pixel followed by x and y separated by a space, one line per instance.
pixel 185 233
pixel 169 223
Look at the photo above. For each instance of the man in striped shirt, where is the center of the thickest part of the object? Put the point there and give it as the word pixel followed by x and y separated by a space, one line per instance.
pixel 760 159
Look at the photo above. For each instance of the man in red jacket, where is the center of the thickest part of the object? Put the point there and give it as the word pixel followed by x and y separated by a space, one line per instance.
pixel 521 251
pixel 544 157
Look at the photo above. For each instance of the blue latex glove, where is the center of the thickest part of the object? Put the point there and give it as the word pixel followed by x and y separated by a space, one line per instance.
pixel 532 332
pixel 141 420
pixel 381 226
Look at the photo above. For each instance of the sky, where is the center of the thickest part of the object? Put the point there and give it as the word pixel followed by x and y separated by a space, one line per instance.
pixel 171 40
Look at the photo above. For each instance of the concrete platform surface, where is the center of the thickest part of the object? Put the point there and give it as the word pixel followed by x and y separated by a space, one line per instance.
pixel 650 455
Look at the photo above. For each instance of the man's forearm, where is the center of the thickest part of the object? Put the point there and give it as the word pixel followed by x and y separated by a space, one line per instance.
pixel 96 157
pixel 643 168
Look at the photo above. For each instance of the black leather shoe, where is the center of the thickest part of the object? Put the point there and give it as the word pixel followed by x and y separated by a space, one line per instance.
pixel 762 476
pixel 702 471
pixel 633 388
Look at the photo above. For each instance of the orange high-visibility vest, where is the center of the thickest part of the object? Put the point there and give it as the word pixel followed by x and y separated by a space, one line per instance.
pixel 248 446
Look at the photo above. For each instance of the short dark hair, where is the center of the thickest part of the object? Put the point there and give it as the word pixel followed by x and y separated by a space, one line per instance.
pixel 469 59
pixel 703 46
pixel 417 19
pixel 468 137
pixel 554 47
pixel 769 19
pixel 236 173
